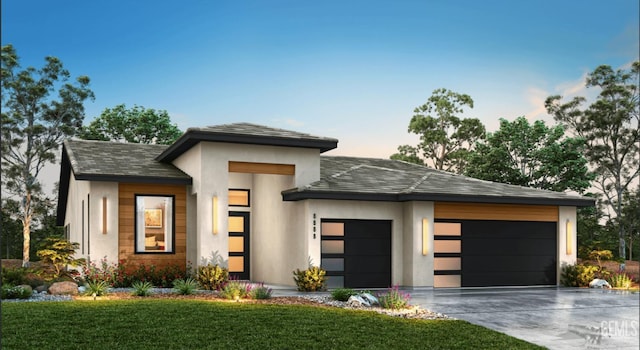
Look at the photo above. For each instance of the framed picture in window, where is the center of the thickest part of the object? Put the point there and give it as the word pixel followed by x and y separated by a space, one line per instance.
pixel 153 218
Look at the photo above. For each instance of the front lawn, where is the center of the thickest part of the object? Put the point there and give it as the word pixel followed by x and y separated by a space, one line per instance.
pixel 198 324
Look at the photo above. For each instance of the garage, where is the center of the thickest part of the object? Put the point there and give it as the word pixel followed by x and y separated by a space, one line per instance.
pixel 356 253
pixel 495 253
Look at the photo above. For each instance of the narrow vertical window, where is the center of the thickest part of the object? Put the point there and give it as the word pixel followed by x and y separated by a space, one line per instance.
pixel 154 224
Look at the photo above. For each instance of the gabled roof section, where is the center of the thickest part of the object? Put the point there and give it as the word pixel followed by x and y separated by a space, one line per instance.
pixel 353 178
pixel 246 133
pixel 113 161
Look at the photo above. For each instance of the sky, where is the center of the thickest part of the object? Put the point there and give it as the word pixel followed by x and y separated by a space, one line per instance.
pixel 352 70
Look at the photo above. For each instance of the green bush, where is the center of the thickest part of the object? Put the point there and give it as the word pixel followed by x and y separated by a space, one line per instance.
pixel 15 292
pixel 185 286
pixel 260 292
pixel 620 280
pixel 141 289
pixel 236 290
pixel 212 277
pixel 342 294
pixel 394 298
pixel 14 276
pixel 310 280
pixel 578 275
pixel 123 274
pixel 59 253
pixel 99 288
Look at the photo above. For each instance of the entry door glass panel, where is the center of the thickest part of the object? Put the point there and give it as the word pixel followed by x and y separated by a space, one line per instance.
pixel 239 245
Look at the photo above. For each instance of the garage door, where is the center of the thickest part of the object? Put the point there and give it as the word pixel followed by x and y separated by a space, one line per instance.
pixel 356 253
pixel 504 253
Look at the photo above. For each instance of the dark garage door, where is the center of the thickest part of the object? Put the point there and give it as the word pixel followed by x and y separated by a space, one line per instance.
pixel 357 253
pixel 508 253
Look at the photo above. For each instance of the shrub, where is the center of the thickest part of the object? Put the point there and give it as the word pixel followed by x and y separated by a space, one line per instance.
pixel 59 253
pixel 212 277
pixel 14 276
pixel 15 292
pixel 342 294
pixel 99 288
pixel 620 280
pixel 236 290
pixel 600 255
pixel 141 289
pixel 578 275
pixel 394 298
pixel 123 275
pixel 260 292
pixel 310 280
pixel 185 286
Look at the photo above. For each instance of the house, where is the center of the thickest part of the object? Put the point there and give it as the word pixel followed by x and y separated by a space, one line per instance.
pixel 267 202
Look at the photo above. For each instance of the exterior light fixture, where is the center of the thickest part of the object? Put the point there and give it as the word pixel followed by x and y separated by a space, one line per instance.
pixel 569 240
pixel 104 215
pixel 214 214
pixel 425 236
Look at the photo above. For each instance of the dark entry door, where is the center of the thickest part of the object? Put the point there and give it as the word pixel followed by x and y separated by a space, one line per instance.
pixel 508 253
pixel 239 245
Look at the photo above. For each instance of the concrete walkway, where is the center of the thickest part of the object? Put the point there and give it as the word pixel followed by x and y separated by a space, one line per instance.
pixel 557 318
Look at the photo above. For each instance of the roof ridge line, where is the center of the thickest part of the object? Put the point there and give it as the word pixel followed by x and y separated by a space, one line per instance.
pixel 417 183
pixel 346 171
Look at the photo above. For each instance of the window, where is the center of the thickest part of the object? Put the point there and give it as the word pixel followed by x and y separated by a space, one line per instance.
pixel 154 224
pixel 239 198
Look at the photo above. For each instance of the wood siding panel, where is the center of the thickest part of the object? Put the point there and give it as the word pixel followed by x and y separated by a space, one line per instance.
pixel 126 223
pixel 262 168
pixel 483 211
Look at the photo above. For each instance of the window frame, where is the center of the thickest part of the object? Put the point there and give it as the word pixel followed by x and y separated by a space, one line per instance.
pixel 172 225
pixel 241 190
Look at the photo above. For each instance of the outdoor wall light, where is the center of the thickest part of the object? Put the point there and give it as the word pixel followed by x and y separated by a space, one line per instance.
pixel 104 215
pixel 425 236
pixel 569 243
pixel 214 214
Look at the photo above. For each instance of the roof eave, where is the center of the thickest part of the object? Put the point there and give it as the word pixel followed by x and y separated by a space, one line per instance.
pixel 135 179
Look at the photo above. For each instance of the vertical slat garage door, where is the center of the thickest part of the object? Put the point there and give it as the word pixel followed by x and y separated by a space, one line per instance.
pixel 357 253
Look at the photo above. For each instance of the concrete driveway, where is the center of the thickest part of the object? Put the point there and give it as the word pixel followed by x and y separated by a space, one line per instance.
pixel 557 318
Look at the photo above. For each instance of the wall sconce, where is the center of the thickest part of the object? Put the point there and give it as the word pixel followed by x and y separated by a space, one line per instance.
pixel 569 240
pixel 425 236
pixel 104 215
pixel 214 214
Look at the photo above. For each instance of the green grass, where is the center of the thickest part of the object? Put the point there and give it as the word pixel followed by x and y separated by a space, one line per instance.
pixel 193 324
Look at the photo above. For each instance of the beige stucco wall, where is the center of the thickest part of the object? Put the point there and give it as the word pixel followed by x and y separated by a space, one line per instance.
pixel 78 191
pixel 418 268
pixel 566 214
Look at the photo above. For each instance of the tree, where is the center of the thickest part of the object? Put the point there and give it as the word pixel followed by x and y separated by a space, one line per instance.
pixel 610 127
pixel 135 125
pixel 11 235
pixel 33 126
pixel 445 139
pixel 532 155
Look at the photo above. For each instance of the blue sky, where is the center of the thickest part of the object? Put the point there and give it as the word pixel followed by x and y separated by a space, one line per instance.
pixel 353 70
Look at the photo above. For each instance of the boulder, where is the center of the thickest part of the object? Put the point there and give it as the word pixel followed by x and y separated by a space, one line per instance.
pixel 599 283
pixel 41 289
pixel 357 300
pixel 27 288
pixel 64 288
pixel 370 298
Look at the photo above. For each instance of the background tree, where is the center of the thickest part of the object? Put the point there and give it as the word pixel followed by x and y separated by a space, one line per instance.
pixel 135 125
pixel 445 139
pixel 33 126
pixel 610 127
pixel 11 235
pixel 531 155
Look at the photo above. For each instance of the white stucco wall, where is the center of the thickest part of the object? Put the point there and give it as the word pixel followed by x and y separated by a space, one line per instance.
pixel 566 214
pixel 78 191
pixel 103 244
pixel 418 268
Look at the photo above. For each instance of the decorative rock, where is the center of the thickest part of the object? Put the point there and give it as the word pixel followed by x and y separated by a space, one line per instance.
pixel 26 287
pixel 82 289
pixel 41 289
pixel 64 288
pixel 370 298
pixel 357 300
pixel 599 283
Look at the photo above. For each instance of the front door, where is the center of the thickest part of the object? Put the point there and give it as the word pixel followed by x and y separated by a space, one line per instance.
pixel 239 245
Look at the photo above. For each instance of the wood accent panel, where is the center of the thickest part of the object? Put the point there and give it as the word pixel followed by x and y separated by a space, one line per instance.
pixel 262 168
pixel 126 223
pixel 485 211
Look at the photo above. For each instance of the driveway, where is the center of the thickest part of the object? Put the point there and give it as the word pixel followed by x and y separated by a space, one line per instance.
pixel 557 318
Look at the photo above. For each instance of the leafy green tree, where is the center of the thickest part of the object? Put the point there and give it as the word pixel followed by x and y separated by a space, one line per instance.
pixel 33 126
pixel 11 235
pixel 532 155
pixel 610 127
pixel 446 140
pixel 59 253
pixel 135 125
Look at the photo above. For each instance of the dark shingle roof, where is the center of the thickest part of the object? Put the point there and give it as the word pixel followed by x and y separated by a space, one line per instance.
pixel 391 180
pixel 246 133
pixel 113 161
